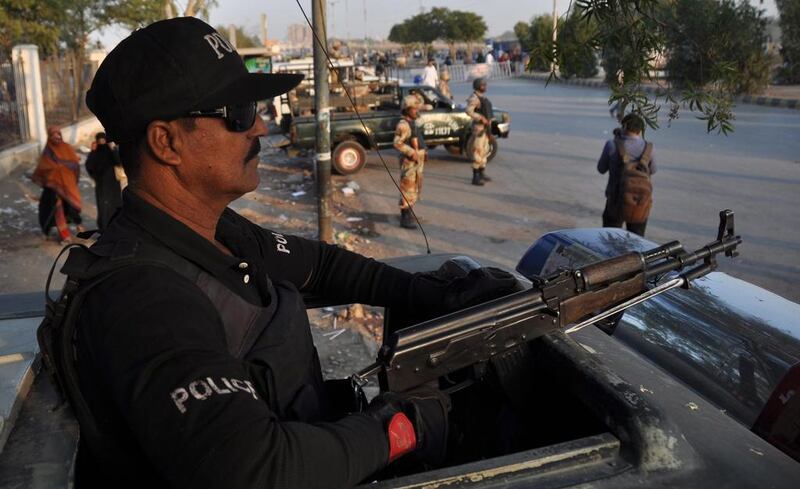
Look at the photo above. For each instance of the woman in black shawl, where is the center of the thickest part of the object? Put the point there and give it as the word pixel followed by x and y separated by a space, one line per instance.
pixel 100 164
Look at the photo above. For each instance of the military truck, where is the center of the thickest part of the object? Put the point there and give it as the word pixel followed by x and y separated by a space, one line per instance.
pixel 446 124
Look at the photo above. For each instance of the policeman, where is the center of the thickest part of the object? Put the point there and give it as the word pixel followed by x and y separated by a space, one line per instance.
pixel 409 141
pixel 195 359
pixel 479 108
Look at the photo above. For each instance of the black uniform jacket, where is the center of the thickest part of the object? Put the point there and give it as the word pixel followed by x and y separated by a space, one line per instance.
pixel 155 369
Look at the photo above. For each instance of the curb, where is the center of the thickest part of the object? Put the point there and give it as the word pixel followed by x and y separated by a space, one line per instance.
pixel 788 103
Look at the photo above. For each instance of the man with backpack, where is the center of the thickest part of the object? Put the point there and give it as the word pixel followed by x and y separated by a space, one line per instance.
pixel 181 337
pixel 629 161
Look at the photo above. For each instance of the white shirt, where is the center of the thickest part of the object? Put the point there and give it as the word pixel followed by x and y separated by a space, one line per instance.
pixel 489 58
pixel 430 76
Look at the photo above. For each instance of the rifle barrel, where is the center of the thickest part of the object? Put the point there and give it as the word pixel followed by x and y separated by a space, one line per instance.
pixel 683 260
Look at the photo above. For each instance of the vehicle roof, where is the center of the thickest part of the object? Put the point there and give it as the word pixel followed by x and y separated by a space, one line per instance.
pixel 730 340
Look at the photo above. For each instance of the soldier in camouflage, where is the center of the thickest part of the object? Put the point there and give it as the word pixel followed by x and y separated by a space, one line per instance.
pixel 444 84
pixel 408 140
pixel 479 108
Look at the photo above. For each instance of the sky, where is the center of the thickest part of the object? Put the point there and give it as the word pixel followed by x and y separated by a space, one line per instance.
pixel 347 16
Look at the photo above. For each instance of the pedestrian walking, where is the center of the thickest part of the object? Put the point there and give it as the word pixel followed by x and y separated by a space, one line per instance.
pixel 430 75
pixel 57 173
pixel 193 363
pixel 479 108
pixel 409 141
pixel 101 165
pixel 444 84
pixel 629 161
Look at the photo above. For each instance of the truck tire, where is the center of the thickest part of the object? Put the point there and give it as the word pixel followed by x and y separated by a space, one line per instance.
pixel 453 149
pixel 348 157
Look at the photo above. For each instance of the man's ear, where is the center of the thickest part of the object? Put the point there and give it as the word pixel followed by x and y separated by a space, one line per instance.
pixel 164 142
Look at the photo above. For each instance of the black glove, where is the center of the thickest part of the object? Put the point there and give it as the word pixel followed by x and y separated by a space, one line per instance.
pixel 415 421
pixel 479 285
pixel 441 293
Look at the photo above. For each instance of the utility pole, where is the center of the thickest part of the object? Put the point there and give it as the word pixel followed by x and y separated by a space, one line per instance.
pixel 232 35
pixel 554 64
pixel 366 42
pixel 323 118
pixel 347 18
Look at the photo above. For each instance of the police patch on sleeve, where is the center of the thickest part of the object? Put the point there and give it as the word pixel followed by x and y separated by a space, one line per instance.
pixel 202 389
pixel 280 243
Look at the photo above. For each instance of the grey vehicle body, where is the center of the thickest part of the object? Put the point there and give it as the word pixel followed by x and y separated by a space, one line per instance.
pixel 661 403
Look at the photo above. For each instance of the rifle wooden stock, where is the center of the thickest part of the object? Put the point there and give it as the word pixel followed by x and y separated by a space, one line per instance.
pixel 612 269
pixel 584 305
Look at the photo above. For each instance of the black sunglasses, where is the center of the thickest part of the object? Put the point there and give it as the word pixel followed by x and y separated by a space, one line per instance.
pixel 238 118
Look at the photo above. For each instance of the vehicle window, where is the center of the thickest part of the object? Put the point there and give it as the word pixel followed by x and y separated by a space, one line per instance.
pixel 431 97
pixel 567 256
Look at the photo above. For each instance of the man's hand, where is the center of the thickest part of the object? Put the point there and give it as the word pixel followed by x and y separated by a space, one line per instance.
pixel 477 286
pixel 415 421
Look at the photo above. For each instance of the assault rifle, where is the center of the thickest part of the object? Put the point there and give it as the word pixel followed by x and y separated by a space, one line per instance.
pixel 568 301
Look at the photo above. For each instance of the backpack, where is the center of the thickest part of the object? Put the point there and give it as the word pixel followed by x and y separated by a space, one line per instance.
pixel 636 190
pixel 85 269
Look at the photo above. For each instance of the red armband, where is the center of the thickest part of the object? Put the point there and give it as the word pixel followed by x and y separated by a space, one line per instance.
pixel 402 438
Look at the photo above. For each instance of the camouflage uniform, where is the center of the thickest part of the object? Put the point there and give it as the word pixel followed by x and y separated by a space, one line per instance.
pixel 478 144
pixel 444 85
pixel 410 167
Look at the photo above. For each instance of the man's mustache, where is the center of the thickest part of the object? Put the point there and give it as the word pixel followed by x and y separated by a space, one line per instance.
pixel 255 149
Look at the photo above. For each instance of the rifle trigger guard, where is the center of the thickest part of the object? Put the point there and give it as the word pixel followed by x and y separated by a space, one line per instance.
pixel 360 378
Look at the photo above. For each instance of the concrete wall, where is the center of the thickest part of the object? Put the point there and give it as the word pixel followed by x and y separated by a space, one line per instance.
pixel 21 154
pixel 82 132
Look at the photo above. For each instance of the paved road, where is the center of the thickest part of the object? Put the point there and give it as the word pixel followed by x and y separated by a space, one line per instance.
pixel 545 179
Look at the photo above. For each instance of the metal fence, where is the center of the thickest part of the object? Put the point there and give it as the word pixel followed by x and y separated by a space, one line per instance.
pixel 462 73
pixel 11 131
pixel 64 89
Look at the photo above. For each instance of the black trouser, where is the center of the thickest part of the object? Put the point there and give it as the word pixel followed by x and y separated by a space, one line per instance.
pixel 611 219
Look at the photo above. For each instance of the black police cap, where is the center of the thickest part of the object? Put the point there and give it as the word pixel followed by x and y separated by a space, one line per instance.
pixel 169 68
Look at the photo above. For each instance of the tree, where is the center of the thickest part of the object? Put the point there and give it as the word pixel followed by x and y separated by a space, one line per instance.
pixel 716 42
pixel 523 32
pixel 421 30
pixel 633 37
pixel 439 23
pixel 539 43
pixel 31 22
pixel 790 40
pixel 458 26
pixel 134 14
pixel 575 48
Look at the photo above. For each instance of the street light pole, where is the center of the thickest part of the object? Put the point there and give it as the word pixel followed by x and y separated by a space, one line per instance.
pixel 323 114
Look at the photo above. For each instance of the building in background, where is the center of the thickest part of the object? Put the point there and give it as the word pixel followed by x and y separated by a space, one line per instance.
pixel 299 35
